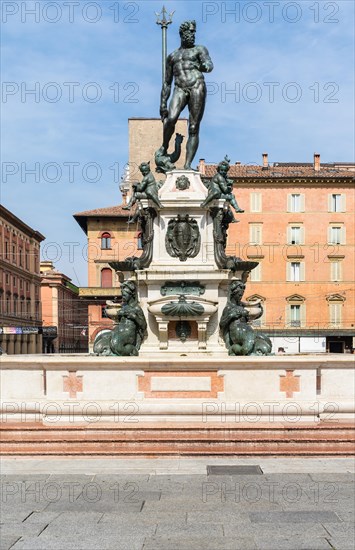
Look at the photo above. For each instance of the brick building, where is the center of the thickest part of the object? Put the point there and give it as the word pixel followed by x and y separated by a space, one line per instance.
pixel 110 238
pixel 299 224
pixel 20 301
pixel 65 317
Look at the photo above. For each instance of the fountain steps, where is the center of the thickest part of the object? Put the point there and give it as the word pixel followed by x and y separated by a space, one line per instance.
pixel 156 439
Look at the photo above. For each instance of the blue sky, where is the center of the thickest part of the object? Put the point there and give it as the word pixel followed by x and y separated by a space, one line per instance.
pixel 288 69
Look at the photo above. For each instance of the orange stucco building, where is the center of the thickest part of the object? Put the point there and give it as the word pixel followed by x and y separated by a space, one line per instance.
pixel 299 225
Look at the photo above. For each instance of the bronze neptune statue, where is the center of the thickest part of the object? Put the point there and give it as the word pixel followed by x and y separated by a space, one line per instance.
pixel 186 66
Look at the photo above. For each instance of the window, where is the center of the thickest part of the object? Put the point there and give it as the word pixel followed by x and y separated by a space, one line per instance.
pixel 7 279
pixel 106 277
pixel 335 313
pixel 336 202
pixel 103 312
pixel 296 311
pixel 8 303
pixel 255 202
pixel 295 234
pixel 27 259
pixel 7 250
pixel 15 304
pixel 14 281
pixel 14 253
pixel 336 234
pixel 255 233
pixel 255 274
pixel 28 307
pixel 295 317
pixel 140 240
pixel 335 270
pixel 295 202
pixel 105 241
pixel 20 256
pixel 295 271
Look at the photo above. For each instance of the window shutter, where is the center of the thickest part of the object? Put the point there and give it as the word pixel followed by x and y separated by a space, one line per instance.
pixel 330 234
pixel 302 272
pixel 302 202
pixel 288 271
pixel 288 315
pixel 255 274
pixel 330 202
pixel 302 236
pixel 255 202
pixel 289 202
pixel 343 235
pixel 303 315
pixel 343 202
pixel 289 234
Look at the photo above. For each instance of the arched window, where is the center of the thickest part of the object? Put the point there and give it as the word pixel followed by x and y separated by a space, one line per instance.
pixel 105 241
pixel 106 277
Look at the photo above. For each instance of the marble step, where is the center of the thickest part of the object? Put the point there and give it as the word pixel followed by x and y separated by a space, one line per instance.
pixel 178 439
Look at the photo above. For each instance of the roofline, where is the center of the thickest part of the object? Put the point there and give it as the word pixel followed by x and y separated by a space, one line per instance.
pixel 12 218
pixel 82 219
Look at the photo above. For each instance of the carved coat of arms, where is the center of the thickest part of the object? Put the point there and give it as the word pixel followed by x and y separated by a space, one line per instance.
pixel 183 239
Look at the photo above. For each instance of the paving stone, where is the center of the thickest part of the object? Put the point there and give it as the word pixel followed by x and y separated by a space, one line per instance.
pixel 69 518
pixel 8 541
pixel 80 543
pixel 342 542
pixel 343 528
pixel 21 529
pixel 85 529
pixel 144 518
pixel 42 517
pixel 269 531
pixel 225 516
pixel 291 543
pixel 294 517
pixel 189 530
pixel 199 543
pixel 106 504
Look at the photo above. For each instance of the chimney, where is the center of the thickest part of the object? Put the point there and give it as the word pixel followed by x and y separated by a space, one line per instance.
pixel 202 167
pixel 316 162
pixel 265 161
pixel 238 163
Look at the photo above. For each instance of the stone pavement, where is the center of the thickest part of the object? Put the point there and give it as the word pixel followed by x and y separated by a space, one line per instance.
pixel 172 504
